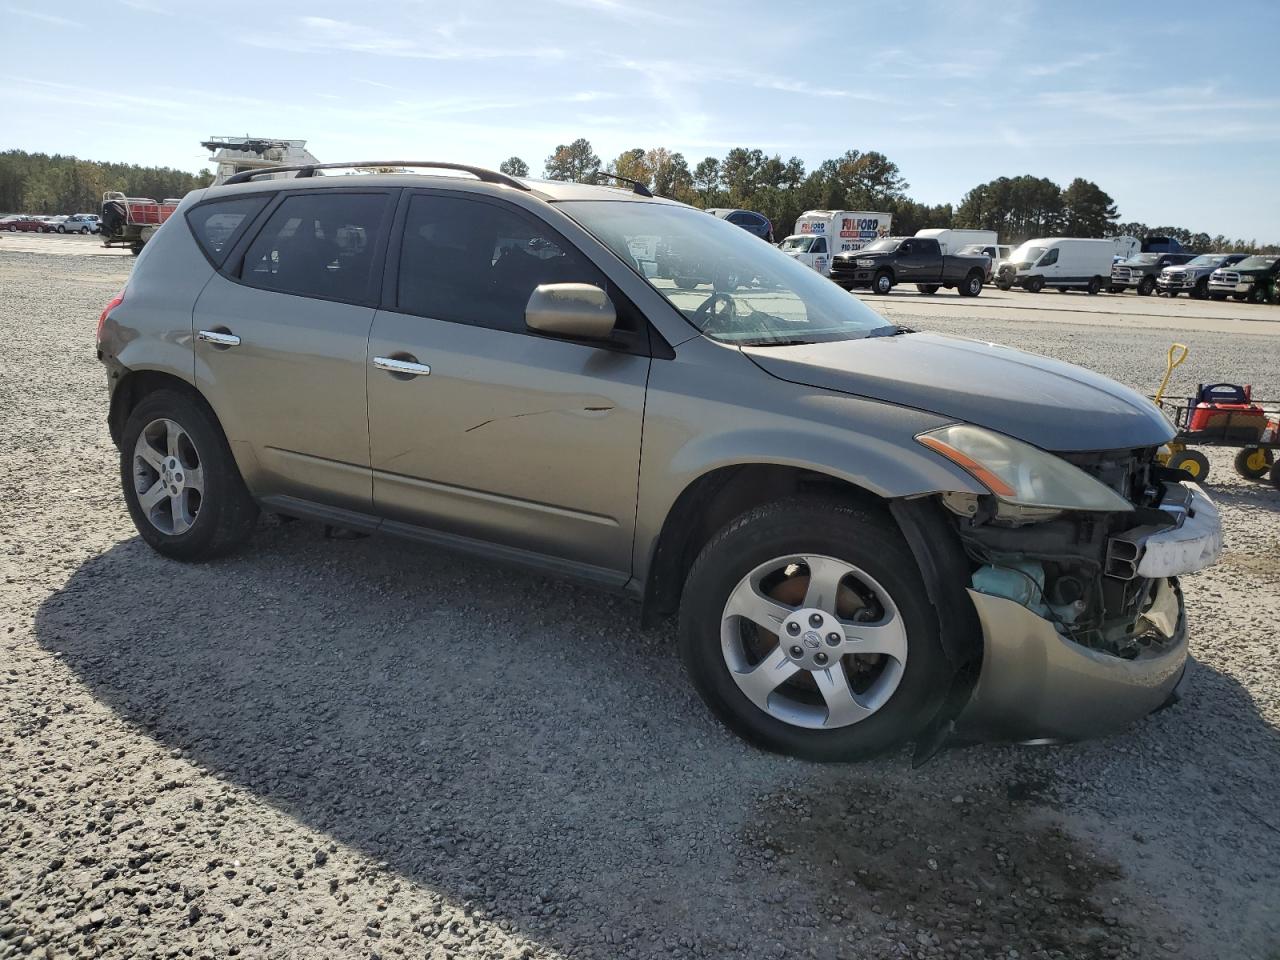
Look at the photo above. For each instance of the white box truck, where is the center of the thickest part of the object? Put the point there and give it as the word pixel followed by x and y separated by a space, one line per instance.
pixel 820 234
pixel 1062 262
pixel 953 241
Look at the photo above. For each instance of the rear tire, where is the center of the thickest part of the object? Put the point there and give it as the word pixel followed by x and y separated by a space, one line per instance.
pixel 184 492
pixel 799 716
pixel 970 286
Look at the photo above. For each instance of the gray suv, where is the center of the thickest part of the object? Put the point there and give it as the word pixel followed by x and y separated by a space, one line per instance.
pixel 869 535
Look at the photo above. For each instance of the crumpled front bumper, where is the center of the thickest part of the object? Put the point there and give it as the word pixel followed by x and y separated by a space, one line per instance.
pixel 1035 684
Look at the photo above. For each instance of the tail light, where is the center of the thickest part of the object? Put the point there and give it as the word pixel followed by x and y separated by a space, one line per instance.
pixel 106 311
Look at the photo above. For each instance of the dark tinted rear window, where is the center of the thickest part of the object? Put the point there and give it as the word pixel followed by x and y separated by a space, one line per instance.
pixel 216 225
pixel 319 244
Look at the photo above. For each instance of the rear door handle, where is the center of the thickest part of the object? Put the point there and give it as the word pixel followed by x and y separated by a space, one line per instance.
pixel 411 368
pixel 218 338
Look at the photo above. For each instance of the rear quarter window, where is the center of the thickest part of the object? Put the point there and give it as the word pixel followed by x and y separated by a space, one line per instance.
pixel 218 224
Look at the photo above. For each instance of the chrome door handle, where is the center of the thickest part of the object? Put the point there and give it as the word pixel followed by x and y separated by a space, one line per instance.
pixel 408 367
pixel 220 339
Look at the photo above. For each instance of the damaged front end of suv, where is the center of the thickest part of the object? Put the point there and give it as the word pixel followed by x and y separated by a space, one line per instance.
pixel 1073 560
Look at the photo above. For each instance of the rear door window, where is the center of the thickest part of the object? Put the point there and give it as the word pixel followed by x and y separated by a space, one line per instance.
pixel 218 224
pixel 319 244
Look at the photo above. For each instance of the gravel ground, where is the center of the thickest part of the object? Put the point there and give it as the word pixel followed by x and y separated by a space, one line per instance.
pixel 285 754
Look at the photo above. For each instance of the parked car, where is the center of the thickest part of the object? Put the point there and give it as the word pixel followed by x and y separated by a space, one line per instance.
pixel 1139 272
pixel 1252 279
pixel 885 263
pixel 1064 263
pixel 870 535
pixel 79 223
pixel 842 231
pixel 996 254
pixel 748 220
pixel 51 224
pixel 1192 277
pixel 25 224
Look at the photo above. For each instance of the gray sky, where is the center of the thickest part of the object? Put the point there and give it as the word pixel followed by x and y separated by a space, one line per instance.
pixel 1173 108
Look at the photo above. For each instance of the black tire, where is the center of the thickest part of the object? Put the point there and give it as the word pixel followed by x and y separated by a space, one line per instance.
pixel 226 513
pixel 686 283
pixel 1145 286
pixel 1062 289
pixel 1201 290
pixel 1275 475
pixel 1253 463
pixel 1259 294
pixel 1035 285
pixel 865 538
pixel 1095 286
pixel 1217 296
pixel 1115 289
pixel 928 289
pixel 971 286
pixel 1193 462
pixel 883 283
pixel 1004 286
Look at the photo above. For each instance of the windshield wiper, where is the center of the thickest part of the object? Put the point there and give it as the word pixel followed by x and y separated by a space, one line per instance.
pixel 892 330
pixel 774 342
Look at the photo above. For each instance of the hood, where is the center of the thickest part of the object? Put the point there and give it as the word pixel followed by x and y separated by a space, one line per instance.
pixel 1052 405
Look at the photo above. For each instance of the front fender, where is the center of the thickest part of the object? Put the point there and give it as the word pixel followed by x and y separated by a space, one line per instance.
pixel 703 416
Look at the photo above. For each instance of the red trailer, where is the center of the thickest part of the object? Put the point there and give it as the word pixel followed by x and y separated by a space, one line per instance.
pixel 130 221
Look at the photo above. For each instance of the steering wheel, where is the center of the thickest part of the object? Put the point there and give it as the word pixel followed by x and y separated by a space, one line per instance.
pixel 708 317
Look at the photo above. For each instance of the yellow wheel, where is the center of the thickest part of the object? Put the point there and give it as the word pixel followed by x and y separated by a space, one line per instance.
pixel 1190 461
pixel 1252 463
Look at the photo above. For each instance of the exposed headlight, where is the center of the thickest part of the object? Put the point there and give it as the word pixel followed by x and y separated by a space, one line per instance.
pixel 1017 472
pixel 865 262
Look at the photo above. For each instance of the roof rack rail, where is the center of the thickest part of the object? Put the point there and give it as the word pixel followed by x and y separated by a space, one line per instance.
pixel 636 185
pixel 309 169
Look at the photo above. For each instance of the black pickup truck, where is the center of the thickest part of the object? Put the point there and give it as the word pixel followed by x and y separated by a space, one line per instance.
pixel 885 263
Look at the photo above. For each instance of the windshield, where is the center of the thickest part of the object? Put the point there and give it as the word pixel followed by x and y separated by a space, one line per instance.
pixel 882 245
pixel 1207 260
pixel 802 244
pixel 724 280
pixel 1144 258
pixel 1027 253
pixel 1255 263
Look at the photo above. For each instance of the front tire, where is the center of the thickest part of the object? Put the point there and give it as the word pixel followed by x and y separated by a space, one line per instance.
pixel 1193 462
pixel 1035 284
pixel 797 588
pixel 1095 286
pixel 181 484
pixel 882 283
pixel 1146 286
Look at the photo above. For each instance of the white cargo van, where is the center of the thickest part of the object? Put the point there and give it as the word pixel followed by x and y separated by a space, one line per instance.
pixel 1062 262
pixel 951 241
pixel 820 234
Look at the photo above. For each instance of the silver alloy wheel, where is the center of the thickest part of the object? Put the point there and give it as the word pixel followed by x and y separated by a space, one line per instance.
pixel 807 677
pixel 168 477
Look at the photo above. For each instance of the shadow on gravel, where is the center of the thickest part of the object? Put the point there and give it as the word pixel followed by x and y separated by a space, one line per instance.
pixel 519 743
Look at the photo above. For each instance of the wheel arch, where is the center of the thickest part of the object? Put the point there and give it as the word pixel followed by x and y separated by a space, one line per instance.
pixel 708 503
pixel 134 385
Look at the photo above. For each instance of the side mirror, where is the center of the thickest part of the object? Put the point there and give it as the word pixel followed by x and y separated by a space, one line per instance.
pixel 571 310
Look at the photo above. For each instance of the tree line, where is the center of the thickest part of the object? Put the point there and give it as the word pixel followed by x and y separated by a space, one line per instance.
pixel 1017 208
pixel 53 184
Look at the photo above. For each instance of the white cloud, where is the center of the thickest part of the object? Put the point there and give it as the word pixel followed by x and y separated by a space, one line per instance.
pixel 312 34
pixel 44 17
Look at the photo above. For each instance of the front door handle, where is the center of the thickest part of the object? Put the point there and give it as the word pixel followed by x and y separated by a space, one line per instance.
pixel 218 338
pixel 404 367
